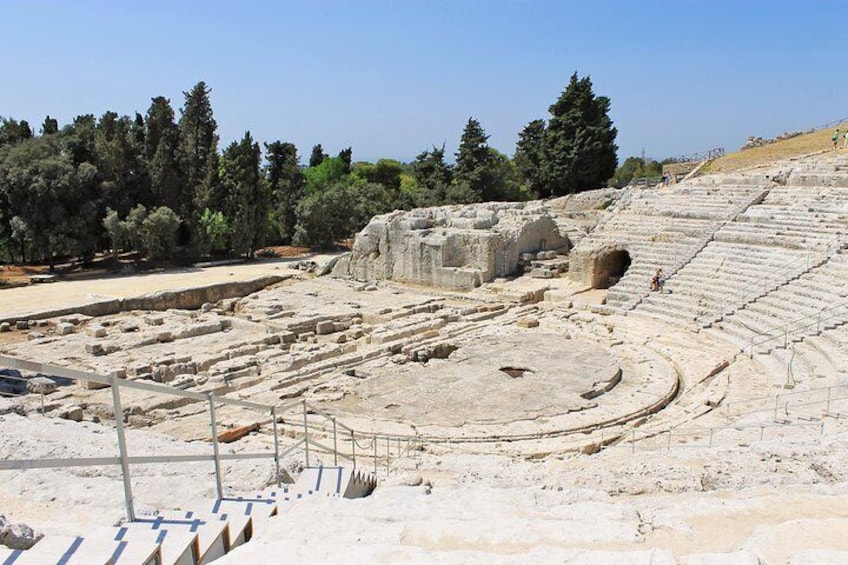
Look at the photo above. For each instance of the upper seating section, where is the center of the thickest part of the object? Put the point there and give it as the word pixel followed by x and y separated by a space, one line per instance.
pixel 793 229
pixel 663 228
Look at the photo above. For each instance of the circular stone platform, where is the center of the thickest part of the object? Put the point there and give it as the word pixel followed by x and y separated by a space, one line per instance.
pixel 495 379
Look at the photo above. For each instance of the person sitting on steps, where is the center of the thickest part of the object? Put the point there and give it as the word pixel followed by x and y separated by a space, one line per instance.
pixel 657 281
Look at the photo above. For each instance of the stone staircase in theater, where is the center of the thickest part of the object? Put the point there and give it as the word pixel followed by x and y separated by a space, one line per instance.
pixel 196 536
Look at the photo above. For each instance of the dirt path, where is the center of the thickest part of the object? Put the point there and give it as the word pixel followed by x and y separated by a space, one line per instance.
pixel 70 293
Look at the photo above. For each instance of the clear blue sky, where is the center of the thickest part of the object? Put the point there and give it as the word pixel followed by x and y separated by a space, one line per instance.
pixel 392 78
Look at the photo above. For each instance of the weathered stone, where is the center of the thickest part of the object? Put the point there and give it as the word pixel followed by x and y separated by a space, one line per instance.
pixel 541 273
pixel 5 327
pixel 94 349
pixel 41 385
pixel 323 328
pixel 527 323
pixel 65 328
pixel 129 327
pixel 75 319
pixel 341 338
pixel 475 244
pixel 200 328
pixel 73 413
pixel 34 335
pixel 206 307
pixel 18 536
pixel 96 331
pixel 22 325
pixel 164 337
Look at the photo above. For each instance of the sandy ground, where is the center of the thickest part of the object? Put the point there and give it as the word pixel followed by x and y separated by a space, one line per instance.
pixel 68 293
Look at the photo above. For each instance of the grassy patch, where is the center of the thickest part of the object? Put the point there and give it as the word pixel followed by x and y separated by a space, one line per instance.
pixel 786 149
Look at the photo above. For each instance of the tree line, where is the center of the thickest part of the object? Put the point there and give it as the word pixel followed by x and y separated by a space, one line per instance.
pixel 160 185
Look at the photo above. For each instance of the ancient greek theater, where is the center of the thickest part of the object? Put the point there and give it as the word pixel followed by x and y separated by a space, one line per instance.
pixel 486 383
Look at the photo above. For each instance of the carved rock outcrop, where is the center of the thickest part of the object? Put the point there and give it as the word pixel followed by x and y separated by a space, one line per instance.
pixel 457 247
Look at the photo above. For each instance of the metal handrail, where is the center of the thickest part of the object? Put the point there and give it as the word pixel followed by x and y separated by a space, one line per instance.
pixel 782 330
pixel 125 460
pixel 758 285
pixel 630 440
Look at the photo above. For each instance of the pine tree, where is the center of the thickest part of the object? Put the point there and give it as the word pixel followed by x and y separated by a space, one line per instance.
pixel 317 157
pixel 285 184
pixel 198 149
pixel 50 126
pixel 576 150
pixel 346 155
pixel 580 149
pixel 433 175
pixel 161 141
pixel 475 165
pixel 247 207
pixel 529 157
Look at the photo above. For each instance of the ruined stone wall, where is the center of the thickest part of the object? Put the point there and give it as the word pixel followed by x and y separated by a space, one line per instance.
pixel 458 247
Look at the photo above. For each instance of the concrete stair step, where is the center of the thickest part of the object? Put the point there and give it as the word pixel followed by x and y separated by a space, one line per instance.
pixel 213 536
pixel 95 550
pixel 240 525
pixel 176 547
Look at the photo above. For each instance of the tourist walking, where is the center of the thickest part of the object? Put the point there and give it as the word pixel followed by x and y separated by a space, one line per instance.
pixel 835 138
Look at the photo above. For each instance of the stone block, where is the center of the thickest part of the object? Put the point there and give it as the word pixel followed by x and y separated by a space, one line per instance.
pixel 5 327
pixel 272 339
pixel 91 385
pixel 73 413
pixel 341 338
pixel 18 536
pixel 75 319
pixel 96 331
pixel 129 327
pixel 41 385
pixel 527 323
pixel 94 349
pixel 541 273
pixel 22 325
pixel 324 328
pixel 164 337
pixel 34 335
pixel 65 328
pixel 206 307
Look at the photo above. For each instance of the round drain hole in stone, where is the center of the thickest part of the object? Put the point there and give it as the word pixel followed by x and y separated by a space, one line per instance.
pixel 515 372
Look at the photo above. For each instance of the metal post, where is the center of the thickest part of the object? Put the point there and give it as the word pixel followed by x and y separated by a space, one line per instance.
pixel 335 445
pixel 374 441
pixel 827 407
pixel 276 446
pixel 214 423
pixel 711 437
pixel 305 433
pixel 353 447
pixel 122 447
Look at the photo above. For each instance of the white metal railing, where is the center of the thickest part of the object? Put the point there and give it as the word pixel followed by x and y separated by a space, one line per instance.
pixel 788 331
pixel 775 278
pixel 673 438
pixel 781 404
pixel 366 442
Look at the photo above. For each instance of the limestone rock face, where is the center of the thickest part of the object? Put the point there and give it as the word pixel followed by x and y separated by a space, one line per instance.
pixel 458 247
